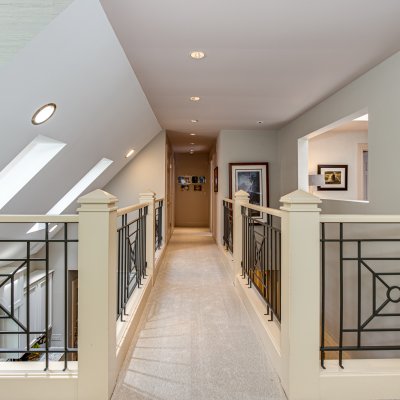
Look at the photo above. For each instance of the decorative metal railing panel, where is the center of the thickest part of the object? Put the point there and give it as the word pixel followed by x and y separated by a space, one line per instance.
pixel 159 204
pixel 35 292
pixel 261 257
pixel 228 226
pixel 360 295
pixel 131 257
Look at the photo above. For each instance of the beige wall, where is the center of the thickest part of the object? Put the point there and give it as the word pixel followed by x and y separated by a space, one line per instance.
pixel 146 172
pixel 192 208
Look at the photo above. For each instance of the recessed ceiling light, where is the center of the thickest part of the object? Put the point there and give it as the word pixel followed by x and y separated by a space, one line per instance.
pixel 197 54
pixel 195 98
pixel 43 113
pixel 194 120
pixel 192 143
pixel 192 134
pixel 130 152
pixel 362 118
pixel 260 122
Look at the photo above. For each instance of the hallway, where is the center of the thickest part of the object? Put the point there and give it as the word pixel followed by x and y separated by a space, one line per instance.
pixel 195 340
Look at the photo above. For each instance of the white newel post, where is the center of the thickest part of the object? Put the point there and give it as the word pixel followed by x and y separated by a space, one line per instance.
pixel 240 198
pixel 150 197
pixel 97 259
pixel 300 322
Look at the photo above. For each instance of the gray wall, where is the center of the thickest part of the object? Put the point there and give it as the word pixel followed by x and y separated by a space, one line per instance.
pixel 146 172
pixel 378 91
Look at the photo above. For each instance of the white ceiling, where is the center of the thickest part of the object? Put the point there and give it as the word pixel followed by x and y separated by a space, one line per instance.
pixel 267 60
pixel 78 63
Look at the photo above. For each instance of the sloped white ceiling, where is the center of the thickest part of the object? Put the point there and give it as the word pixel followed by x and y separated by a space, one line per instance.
pixel 267 60
pixel 78 63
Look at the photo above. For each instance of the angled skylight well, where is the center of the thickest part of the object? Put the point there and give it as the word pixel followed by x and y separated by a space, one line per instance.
pixel 72 195
pixel 26 165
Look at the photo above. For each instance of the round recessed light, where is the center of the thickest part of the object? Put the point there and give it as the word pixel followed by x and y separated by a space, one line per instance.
pixel 192 134
pixel 192 144
pixel 260 122
pixel 43 113
pixel 197 54
pixel 194 120
pixel 129 153
pixel 195 98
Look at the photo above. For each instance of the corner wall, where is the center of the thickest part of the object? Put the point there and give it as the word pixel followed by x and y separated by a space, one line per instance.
pixel 378 91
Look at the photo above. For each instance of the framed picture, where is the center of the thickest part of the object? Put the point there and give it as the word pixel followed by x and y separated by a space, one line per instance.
pixel 185 188
pixel 202 179
pixel 197 188
pixel 216 179
pixel 335 177
pixel 253 179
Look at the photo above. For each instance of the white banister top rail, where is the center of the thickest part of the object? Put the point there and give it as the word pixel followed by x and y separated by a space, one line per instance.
pixel 266 210
pixel 359 218
pixel 160 199
pixel 129 209
pixel 228 200
pixel 38 218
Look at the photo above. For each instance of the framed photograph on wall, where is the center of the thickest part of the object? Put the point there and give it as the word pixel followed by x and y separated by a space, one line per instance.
pixel 335 177
pixel 253 179
pixel 216 179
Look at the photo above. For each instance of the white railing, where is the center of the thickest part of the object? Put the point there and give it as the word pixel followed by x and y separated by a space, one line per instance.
pixel 295 345
pixel 103 341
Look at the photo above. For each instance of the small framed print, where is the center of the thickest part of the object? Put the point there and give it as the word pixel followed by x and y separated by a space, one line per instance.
pixel 197 188
pixel 216 179
pixel 335 177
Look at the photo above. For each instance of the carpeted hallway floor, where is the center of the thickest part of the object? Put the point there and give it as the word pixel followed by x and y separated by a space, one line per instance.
pixel 196 340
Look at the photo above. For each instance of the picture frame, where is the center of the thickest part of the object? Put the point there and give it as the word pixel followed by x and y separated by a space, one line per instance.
pixel 197 188
pixel 253 178
pixel 216 180
pixel 335 176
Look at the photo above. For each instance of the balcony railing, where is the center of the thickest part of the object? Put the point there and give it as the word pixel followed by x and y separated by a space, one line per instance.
pixel 159 206
pixel 360 286
pixel 261 254
pixel 131 253
pixel 38 306
pixel 228 225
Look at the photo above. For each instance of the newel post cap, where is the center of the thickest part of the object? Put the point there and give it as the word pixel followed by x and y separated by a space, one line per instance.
pixel 299 200
pixel 98 197
pixel 241 195
pixel 146 197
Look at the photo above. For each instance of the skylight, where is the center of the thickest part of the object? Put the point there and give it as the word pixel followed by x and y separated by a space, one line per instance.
pixel 26 165
pixel 62 204
pixel 362 118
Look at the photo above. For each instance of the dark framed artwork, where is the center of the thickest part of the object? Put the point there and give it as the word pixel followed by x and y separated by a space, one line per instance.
pixel 216 179
pixel 252 178
pixel 335 177
pixel 197 188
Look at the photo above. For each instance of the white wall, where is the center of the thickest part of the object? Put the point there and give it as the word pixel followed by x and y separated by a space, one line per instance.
pixel 246 146
pixel 378 91
pixel 146 172
pixel 338 147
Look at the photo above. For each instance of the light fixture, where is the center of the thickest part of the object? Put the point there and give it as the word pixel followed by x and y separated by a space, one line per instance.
pixel 192 143
pixel 192 134
pixel 194 120
pixel 43 113
pixel 260 122
pixel 26 165
pixel 362 118
pixel 197 54
pixel 129 153
pixel 195 98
